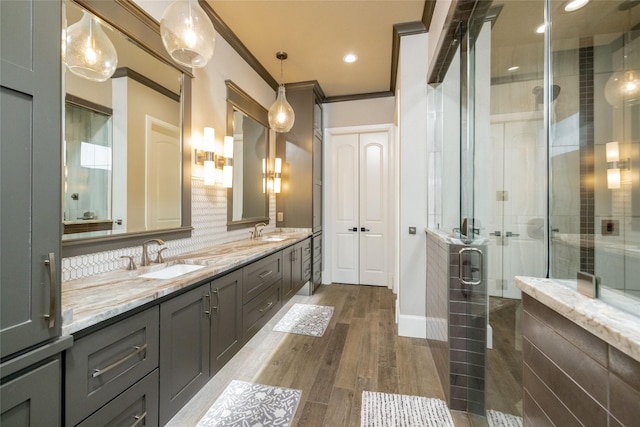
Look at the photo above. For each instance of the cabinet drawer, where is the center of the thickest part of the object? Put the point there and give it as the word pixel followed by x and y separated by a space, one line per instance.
pixel 137 406
pixel 102 365
pixel 306 270
pixel 258 312
pixel 306 249
pixel 259 275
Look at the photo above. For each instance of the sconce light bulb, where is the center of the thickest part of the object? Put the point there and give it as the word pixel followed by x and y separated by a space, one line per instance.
pixel 209 172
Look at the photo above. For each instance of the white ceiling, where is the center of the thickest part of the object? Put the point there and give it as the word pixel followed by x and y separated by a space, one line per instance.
pixel 317 34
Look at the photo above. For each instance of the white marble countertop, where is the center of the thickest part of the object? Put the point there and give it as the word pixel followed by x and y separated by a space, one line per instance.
pixel 91 300
pixel 612 325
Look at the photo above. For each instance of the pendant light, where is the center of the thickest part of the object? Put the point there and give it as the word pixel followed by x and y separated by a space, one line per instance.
pixel 187 33
pixel 281 115
pixel 88 51
pixel 623 87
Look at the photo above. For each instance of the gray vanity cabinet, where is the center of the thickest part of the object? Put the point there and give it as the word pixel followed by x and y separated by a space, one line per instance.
pixel 30 214
pixel 226 319
pixel 103 365
pixel 184 348
pixel 30 177
pixel 300 149
pixel 33 399
pixel 296 268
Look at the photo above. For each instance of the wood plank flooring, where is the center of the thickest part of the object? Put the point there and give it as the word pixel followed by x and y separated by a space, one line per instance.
pixel 359 351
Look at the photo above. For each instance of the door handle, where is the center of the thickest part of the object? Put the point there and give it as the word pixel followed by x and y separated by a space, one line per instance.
pixel 496 233
pixel 50 262
pixel 364 229
pixel 354 229
pixel 510 234
pixel 480 269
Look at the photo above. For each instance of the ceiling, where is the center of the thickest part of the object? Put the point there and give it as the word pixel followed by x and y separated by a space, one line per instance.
pixel 317 35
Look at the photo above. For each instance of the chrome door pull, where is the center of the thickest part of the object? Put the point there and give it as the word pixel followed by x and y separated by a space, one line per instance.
pixel 139 419
pixel 137 349
pixel 496 233
pixel 480 269
pixel 510 234
pixel 53 287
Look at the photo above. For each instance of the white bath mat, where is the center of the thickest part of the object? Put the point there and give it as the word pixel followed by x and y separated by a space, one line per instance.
pixel 500 419
pixel 305 319
pixel 397 410
pixel 244 404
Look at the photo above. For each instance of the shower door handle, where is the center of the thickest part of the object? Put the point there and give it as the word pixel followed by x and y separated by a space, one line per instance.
pixel 496 233
pixel 510 234
pixel 462 254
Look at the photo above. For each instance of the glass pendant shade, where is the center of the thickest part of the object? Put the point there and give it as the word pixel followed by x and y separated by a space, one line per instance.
pixel 623 88
pixel 187 33
pixel 281 115
pixel 88 52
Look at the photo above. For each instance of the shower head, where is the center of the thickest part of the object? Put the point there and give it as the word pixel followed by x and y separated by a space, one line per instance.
pixel 538 92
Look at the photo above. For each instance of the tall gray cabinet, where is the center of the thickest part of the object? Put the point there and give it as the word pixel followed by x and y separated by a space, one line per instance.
pixel 30 219
pixel 299 205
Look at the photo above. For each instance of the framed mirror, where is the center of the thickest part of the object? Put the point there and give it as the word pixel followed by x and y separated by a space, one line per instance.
pixel 248 198
pixel 127 177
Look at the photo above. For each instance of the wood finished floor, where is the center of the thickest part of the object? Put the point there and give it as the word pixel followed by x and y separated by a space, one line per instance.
pixel 360 350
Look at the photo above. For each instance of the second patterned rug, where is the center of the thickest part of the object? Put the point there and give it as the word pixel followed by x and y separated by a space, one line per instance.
pixel 305 319
pixel 399 410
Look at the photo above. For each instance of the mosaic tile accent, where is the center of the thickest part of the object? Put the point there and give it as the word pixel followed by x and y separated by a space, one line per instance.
pixel 587 190
pixel 209 221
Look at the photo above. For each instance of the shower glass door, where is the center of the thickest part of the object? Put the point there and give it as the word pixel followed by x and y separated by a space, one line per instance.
pixel 508 177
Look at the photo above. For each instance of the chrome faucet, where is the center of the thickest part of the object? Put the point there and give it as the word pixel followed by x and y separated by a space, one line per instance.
pixel 145 253
pixel 258 232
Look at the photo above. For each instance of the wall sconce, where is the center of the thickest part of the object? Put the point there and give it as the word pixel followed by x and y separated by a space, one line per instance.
pixel 205 155
pixel 614 165
pixel 275 177
pixel 227 169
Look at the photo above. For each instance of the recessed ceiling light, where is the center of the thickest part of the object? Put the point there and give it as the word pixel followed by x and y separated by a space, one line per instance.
pixel 349 58
pixel 540 29
pixel 573 5
pixel 514 68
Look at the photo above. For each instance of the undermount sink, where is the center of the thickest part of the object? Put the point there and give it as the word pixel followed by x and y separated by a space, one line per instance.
pixel 172 271
pixel 272 238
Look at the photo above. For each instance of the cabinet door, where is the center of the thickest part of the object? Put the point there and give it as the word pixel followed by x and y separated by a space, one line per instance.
pixel 288 256
pixel 184 348
pixel 30 164
pixel 33 399
pixel 226 320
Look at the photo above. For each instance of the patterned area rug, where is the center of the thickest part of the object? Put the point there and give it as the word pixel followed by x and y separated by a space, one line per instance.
pixel 305 319
pixel 397 410
pixel 245 404
pixel 500 419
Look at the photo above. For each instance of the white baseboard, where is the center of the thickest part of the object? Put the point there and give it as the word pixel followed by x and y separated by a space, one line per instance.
pixel 412 326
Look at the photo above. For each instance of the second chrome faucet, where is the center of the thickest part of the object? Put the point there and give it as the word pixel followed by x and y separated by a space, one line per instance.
pixel 145 252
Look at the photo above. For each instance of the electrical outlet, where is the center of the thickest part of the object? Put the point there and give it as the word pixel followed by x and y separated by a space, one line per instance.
pixel 280 216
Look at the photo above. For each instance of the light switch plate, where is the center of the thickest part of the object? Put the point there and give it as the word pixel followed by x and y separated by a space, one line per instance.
pixel 412 230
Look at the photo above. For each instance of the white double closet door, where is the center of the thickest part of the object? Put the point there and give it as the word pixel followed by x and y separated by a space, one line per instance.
pixel 360 208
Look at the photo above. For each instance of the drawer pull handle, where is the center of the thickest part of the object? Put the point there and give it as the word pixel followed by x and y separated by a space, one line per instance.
pixel 208 304
pixel 53 286
pixel 215 307
pixel 136 350
pixel 266 307
pixel 138 419
pixel 265 274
